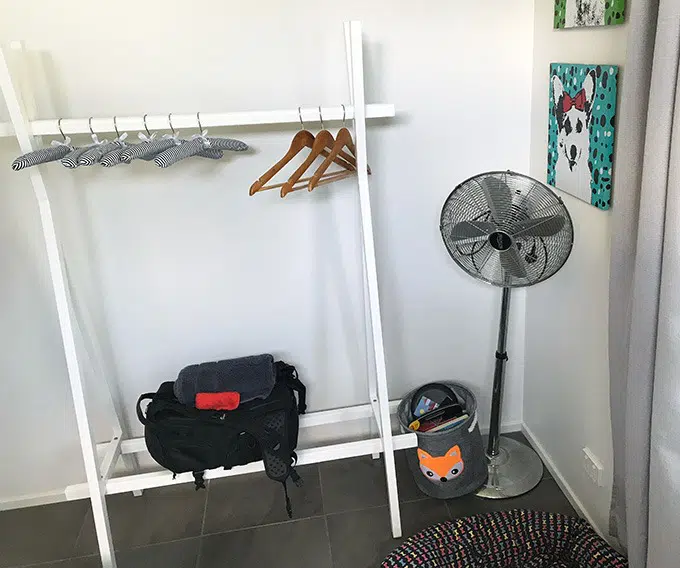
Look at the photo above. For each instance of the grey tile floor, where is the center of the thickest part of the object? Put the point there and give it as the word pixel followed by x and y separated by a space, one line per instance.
pixel 341 520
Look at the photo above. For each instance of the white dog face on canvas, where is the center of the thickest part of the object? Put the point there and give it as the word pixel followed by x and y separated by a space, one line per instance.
pixel 584 13
pixel 573 112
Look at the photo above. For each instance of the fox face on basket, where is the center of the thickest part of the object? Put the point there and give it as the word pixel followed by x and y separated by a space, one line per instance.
pixel 441 468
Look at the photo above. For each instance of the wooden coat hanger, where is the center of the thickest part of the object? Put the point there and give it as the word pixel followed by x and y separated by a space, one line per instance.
pixel 303 139
pixel 325 180
pixel 323 141
pixel 342 140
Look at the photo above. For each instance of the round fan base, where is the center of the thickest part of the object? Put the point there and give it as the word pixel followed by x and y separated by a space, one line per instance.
pixel 516 470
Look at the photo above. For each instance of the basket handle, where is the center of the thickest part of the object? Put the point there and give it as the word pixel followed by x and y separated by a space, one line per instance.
pixel 472 425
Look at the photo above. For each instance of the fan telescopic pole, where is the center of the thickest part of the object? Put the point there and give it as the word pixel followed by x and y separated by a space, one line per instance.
pixel 499 376
pixel 514 468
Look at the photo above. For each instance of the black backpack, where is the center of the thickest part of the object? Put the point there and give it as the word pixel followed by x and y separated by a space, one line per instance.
pixel 182 438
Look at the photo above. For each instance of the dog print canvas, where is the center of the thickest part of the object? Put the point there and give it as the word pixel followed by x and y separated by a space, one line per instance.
pixel 577 13
pixel 581 128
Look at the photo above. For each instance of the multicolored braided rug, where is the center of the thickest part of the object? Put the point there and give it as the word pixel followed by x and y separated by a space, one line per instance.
pixel 507 539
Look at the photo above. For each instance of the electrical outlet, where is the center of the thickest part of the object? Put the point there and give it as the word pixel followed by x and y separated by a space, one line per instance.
pixel 593 467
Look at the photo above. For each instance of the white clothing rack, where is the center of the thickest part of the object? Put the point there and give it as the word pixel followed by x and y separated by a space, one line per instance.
pixel 99 472
pixel 208 120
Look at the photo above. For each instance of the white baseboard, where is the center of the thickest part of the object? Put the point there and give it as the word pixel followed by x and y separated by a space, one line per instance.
pixel 559 478
pixel 32 500
pixel 58 495
pixel 506 428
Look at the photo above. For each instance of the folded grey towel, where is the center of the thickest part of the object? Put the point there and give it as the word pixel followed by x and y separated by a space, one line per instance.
pixel 252 377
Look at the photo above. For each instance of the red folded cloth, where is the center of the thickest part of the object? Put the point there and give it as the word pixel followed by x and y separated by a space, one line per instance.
pixel 217 400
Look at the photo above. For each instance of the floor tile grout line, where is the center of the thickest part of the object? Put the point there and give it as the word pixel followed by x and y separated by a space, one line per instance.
pixel 205 511
pixel 200 551
pixel 96 554
pixel 328 540
pixel 275 524
pixel 205 506
pixel 82 528
pixel 325 518
pixel 371 507
pixel 323 500
pixel 52 562
pixel 448 509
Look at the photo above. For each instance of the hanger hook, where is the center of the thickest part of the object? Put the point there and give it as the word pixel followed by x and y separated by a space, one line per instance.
pixel 115 126
pixel 146 127
pixel 321 119
pixel 300 117
pixel 344 114
pixel 170 123
pixel 60 130
pixel 89 123
pixel 200 126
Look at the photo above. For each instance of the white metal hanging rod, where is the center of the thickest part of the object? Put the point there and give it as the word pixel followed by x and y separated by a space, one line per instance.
pixel 310 116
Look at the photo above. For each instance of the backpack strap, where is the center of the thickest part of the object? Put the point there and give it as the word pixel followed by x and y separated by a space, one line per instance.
pixel 199 480
pixel 296 384
pixel 289 507
pixel 140 414
pixel 289 375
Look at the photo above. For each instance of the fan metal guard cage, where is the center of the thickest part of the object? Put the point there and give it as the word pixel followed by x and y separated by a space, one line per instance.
pixel 507 229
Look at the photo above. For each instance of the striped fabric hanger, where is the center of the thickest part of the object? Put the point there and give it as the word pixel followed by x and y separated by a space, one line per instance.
pixel 112 158
pixel 228 144
pixel 71 160
pixel 179 152
pixel 149 147
pixel 56 151
pixel 50 154
pixel 147 150
pixel 211 153
pixel 198 145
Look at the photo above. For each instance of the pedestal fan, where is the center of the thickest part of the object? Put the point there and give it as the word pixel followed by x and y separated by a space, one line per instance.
pixel 510 231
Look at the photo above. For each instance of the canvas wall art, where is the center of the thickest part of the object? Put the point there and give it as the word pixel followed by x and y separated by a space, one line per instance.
pixel 581 127
pixel 577 13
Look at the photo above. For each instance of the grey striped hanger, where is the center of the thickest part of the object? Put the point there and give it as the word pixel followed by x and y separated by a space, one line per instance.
pixel 220 143
pixel 148 149
pixel 227 144
pixel 113 158
pixel 71 159
pixel 211 153
pixel 95 154
pixel 56 151
pixel 185 150
pixel 50 154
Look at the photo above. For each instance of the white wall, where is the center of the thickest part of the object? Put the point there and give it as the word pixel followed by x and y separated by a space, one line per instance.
pixel 192 268
pixel 566 388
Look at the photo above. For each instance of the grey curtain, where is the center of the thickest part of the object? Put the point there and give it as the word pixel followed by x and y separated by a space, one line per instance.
pixel 644 309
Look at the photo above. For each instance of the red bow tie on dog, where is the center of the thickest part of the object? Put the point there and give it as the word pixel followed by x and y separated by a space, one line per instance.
pixel 579 101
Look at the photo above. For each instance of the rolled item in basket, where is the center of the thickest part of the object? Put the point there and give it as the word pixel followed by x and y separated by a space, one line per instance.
pixel 249 377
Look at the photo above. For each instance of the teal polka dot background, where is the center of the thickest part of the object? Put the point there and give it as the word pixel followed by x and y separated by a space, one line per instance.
pixel 602 125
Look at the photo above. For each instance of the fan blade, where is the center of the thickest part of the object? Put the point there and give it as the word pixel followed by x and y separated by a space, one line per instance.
pixel 512 262
pixel 539 227
pixel 471 230
pixel 498 197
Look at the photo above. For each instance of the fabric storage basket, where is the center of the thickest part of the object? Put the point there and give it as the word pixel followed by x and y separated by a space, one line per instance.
pixel 448 463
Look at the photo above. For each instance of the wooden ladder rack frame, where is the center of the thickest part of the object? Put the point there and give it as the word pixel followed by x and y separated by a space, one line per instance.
pixel 100 481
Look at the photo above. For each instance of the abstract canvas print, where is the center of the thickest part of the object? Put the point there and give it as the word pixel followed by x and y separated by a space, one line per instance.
pixel 581 130
pixel 577 13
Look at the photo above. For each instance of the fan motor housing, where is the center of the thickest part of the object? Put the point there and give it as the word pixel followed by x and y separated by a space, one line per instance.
pixel 500 241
